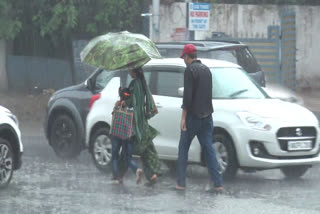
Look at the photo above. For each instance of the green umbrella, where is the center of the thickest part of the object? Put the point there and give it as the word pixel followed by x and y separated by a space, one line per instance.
pixel 114 51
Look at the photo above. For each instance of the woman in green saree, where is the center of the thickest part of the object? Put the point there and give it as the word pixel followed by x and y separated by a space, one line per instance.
pixel 144 108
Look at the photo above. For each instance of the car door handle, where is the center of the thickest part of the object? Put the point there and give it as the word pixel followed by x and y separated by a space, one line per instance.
pixel 158 105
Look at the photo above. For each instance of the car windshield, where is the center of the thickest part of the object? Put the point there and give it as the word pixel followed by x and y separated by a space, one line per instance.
pixel 234 83
pixel 102 78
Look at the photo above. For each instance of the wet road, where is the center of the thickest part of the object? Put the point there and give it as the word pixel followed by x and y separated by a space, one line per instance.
pixel 47 184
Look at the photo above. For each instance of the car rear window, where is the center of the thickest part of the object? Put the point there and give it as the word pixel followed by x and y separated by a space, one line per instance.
pixel 240 55
pixel 247 61
pixel 170 52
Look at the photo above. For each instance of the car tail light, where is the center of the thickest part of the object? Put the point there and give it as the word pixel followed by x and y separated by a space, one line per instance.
pixel 93 99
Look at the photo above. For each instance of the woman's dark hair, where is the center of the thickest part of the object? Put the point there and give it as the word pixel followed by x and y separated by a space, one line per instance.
pixel 140 75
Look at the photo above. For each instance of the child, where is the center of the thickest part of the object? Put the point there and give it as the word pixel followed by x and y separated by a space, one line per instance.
pixel 127 148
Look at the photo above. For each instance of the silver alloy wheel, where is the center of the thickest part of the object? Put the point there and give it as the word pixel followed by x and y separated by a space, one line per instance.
pixel 6 164
pixel 102 150
pixel 222 155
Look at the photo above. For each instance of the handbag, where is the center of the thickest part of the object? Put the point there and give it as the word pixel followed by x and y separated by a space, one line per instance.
pixel 122 122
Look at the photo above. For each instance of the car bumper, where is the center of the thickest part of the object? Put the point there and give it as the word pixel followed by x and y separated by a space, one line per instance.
pixel 270 155
pixel 271 163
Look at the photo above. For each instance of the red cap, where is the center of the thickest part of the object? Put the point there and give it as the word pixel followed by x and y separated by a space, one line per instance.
pixel 188 49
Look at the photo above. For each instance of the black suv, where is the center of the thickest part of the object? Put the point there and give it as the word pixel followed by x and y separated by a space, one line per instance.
pixel 66 114
pixel 232 51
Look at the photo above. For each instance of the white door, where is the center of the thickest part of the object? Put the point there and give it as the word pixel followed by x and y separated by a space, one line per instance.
pixel 164 85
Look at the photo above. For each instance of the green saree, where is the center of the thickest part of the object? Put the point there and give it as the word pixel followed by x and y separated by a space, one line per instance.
pixel 144 108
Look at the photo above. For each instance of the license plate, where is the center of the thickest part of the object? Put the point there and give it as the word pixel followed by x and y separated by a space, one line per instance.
pixel 299 145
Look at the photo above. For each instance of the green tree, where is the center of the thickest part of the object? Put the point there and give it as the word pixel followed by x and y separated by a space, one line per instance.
pixel 55 19
pixel 47 27
pixel 62 19
pixel 112 15
pixel 10 24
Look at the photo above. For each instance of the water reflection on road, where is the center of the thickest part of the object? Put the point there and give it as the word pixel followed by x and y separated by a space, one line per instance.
pixel 47 184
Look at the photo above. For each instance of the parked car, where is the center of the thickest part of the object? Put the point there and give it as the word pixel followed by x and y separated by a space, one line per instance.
pixel 252 131
pixel 231 51
pixel 11 147
pixel 66 114
pixel 235 52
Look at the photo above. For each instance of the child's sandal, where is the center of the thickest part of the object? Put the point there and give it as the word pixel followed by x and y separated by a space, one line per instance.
pixel 139 174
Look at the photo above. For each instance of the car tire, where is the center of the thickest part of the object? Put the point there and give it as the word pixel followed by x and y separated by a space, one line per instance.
pixel 226 155
pixel 63 137
pixel 6 163
pixel 294 172
pixel 101 149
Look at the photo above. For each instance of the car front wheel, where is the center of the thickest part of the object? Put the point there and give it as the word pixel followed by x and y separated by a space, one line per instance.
pixel 294 171
pixel 226 155
pixel 6 162
pixel 101 149
pixel 63 137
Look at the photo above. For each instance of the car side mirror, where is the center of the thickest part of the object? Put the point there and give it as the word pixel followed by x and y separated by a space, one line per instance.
pixel 180 91
pixel 88 84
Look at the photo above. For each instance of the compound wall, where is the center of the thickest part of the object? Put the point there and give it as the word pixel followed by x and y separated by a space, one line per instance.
pixel 252 21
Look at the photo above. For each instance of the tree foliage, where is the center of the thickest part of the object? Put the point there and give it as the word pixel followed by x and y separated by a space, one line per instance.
pixel 60 19
pixel 116 15
pixel 10 24
pixel 55 17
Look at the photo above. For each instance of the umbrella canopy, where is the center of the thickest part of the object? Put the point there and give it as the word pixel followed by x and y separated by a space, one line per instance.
pixel 114 51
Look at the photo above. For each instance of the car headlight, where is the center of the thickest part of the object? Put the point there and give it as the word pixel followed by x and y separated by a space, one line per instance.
pixel 253 121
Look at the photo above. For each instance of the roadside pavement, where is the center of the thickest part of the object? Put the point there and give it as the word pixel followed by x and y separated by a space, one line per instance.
pixel 311 100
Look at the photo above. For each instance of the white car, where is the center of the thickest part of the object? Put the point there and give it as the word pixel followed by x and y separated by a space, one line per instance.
pixel 252 131
pixel 11 147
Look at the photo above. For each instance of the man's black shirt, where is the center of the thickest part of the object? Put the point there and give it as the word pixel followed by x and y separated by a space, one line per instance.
pixel 197 95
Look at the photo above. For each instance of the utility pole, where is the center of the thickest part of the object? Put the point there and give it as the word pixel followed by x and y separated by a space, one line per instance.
pixel 149 16
pixel 190 34
pixel 3 69
pixel 155 20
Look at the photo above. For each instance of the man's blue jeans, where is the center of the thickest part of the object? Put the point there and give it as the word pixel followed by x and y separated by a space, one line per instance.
pixel 127 149
pixel 203 129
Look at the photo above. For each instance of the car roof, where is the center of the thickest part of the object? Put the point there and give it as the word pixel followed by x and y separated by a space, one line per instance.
pixel 202 45
pixel 180 62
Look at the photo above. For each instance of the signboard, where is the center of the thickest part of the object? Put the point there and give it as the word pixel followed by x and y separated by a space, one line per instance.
pixel 180 34
pixel 199 15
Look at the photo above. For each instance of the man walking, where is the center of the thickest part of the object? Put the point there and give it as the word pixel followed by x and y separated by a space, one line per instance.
pixel 197 117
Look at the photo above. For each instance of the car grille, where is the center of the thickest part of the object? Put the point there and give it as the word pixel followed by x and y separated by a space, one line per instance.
pixel 296 134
